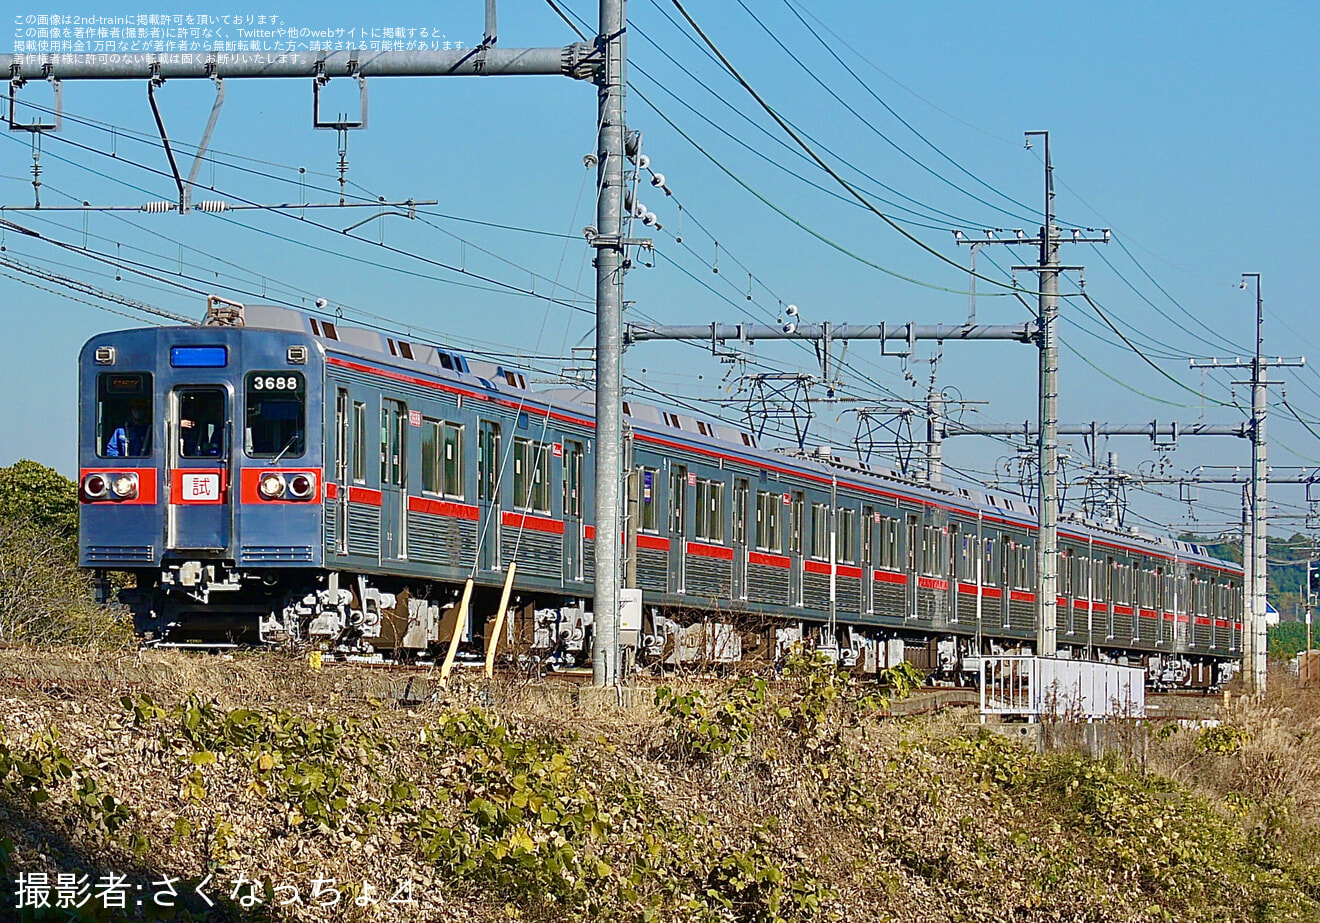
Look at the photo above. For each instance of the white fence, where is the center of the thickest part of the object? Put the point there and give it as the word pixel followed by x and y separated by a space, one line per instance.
pixel 1036 687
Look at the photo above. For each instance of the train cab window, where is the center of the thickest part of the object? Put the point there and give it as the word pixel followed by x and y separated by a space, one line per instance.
pixel 123 415
pixel 202 422
pixel 275 425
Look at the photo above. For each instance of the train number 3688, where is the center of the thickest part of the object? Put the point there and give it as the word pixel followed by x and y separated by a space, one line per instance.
pixel 274 383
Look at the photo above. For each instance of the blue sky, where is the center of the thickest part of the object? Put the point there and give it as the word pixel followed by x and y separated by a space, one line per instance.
pixel 1186 127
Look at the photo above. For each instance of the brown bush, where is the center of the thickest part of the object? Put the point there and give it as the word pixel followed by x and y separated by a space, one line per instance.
pixel 45 598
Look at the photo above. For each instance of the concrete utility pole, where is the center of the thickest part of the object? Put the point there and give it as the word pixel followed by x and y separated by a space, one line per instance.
pixel 604 61
pixel 609 244
pixel 1047 543
pixel 1257 563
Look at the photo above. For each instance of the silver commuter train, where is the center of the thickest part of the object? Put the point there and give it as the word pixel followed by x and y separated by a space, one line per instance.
pixel 269 476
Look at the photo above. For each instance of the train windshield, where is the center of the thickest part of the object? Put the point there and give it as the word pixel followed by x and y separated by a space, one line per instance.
pixel 124 415
pixel 276 415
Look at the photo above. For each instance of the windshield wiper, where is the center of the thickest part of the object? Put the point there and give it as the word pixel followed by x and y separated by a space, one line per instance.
pixel 289 445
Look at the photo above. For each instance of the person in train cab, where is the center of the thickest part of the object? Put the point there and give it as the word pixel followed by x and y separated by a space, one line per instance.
pixel 132 438
pixel 202 438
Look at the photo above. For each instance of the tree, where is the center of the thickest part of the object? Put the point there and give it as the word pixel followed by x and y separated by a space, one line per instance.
pixel 42 496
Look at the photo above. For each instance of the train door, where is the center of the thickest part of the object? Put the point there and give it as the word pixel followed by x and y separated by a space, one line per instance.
pixel 913 538
pixel 573 546
pixel 488 492
pixel 1007 552
pixel 342 483
pixel 741 497
pixel 952 552
pixel 1111 585
pixel 393 479
pixel 868 555
pixel 797 514
pixel 199 434
pixel 678 485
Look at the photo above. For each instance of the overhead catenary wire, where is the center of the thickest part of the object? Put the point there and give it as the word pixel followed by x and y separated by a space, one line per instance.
pixel 830 170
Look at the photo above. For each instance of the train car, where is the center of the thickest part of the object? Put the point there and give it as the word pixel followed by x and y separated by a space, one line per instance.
pixel 270 476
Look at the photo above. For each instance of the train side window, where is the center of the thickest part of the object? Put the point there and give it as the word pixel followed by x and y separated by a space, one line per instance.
pixel 442 458
pixel 275 425
pixel 359 442
pixel 710 510
pixel 820 531
pixel 988 573
pixel 649 516
pixel 889 557
pixel 430 456
pixel 124 418
pixel 768 534
pixel 845 540
pixel 531 475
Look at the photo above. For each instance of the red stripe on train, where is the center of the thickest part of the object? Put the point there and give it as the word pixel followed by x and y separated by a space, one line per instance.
pixel 364 495
pixel 823 568
pixel 710 551
pixel 533 523
pixel 443 508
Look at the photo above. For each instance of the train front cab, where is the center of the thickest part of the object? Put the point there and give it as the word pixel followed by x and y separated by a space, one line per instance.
pixel 200 471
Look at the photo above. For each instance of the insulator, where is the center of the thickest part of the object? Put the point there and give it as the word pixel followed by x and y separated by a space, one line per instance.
pixel 157 208
pixel 213 206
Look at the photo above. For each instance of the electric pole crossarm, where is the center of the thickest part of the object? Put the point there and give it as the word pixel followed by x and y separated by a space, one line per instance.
pixel 1021 333
pixel 1278 362
pixel 1152 430
pixel 577 60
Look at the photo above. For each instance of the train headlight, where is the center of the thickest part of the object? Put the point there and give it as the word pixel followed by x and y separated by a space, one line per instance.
pixel 125 486
pixel 271 486
pixel 95 486
pixel 301 486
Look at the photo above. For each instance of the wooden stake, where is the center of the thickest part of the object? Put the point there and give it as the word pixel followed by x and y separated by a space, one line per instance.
pixel 458 631
pixel 493 640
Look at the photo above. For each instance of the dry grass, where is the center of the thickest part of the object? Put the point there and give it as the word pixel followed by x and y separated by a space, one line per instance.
pixel 906 819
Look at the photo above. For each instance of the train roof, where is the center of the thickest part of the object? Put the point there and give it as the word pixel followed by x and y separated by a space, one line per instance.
pixel 384 346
